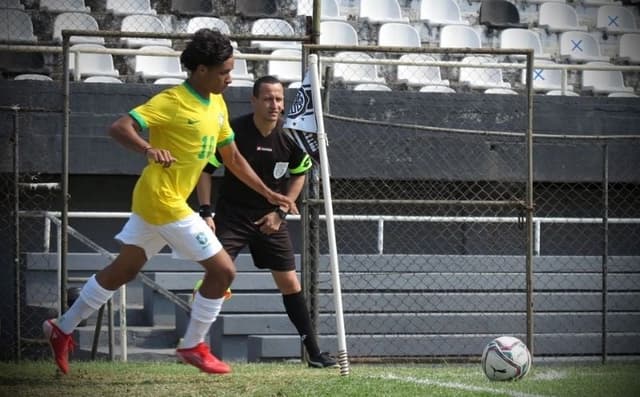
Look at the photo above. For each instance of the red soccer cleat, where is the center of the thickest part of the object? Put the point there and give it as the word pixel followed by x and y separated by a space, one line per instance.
pixel 60 344
pixel 200 356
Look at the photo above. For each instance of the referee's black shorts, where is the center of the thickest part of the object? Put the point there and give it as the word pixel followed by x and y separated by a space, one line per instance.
pixel 236 228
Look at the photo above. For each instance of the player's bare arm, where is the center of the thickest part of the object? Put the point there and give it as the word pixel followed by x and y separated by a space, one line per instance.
pixel 126 131
pixel 236 163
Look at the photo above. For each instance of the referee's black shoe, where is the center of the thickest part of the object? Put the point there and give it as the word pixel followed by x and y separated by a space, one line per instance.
pixel 322 360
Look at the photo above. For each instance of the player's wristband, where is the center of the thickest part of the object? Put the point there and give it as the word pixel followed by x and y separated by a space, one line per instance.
pixel 205 211
pixel 281 213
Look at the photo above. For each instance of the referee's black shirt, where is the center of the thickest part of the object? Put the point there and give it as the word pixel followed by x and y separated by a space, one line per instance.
pixel 270 157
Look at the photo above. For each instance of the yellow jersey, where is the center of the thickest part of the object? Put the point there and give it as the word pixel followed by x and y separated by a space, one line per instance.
pixel 190 127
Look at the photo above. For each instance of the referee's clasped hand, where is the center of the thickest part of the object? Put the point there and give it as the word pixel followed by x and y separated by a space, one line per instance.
pixel 284 202
pixel 269 224
pixel 160 156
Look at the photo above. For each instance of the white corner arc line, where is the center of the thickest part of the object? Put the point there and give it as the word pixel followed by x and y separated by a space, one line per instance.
pixel 460 386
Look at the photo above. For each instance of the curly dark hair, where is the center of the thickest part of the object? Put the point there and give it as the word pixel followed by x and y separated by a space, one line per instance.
pixel 208 47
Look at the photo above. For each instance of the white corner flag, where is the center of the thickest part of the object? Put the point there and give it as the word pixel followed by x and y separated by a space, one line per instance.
pixel 301 123
pixel 305 125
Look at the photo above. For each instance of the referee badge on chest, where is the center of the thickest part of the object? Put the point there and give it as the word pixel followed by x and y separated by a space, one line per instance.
pixel 280 169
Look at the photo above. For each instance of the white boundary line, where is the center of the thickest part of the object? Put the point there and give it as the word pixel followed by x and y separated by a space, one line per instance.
pixel 459 386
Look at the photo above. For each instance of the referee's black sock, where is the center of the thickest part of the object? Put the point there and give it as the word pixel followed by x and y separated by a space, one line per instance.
pixel 299 316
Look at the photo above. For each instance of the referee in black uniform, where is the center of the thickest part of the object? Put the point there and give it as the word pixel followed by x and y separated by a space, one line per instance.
pixel 243 217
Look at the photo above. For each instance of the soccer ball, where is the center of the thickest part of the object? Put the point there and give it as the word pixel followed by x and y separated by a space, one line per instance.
pixel 506 358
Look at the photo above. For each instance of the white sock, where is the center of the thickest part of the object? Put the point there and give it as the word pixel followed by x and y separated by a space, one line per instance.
pixel 204 312
pixel 92 296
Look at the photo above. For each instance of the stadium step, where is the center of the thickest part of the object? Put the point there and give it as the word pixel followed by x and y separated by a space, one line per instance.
pixel 137 337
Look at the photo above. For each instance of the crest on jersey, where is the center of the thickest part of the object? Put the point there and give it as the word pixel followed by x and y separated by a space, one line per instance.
pixel 202 239
pixel 280 169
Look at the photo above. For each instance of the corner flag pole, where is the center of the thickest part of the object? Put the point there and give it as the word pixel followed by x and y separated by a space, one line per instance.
pixel 343 358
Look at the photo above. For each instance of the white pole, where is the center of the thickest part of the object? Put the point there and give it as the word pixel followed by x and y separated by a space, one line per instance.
pixel 123 323
pixel 343 359
pixel 59 267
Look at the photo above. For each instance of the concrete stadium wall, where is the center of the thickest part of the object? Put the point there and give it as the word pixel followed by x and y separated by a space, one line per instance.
pixel 95 106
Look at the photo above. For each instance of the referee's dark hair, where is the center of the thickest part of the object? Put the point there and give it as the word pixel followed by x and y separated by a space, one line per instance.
pixel 264 80
pixel 208 47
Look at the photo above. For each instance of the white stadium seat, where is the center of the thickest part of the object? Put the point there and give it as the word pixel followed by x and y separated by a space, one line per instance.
pixel 415 75
pixel 440 13
pixel 337 33
pixel 603 81
pixel 482 77
pixel 381 11
pixel 157 66
pixel 580 47
pixel 393 34
pixel 559 17
pixel 459 36
pixel 286 71
pixel 143 23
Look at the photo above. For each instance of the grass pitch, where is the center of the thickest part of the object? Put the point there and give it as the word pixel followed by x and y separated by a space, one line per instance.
pixel 148 379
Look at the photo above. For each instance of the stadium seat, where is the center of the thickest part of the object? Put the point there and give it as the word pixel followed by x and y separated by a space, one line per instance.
pixel 545 1
pixel 191 7
pixel 594 3
pixel 76 21
pixel 615 19
pixel 196 23
pixel 562 93
pixel 356 73
pixel 103 79
pixel 272 27
pixel 459 36
pixel 240 70
pixel 500 91
pixel 143 23
pixel 371 87
pixel 91 64
pixel 580 47
pixel 218 24
pixel 15 4
pixel 629 49
pixel 440 13
pixel 559 17
pixel 622 95
pixel 286 71
pixel 499 14
pixel 33 76
pixel 393 34
pixel 64 6
pixel 130 7
pixel 482 78
pixel 437 88
pixel 545 79
pixel 304 7
pixel 603 81
pixel 329 11
pixel 337 33
pixel 523 38
pixel 151 67
pixel 414 75
pixel 169 81
pixel 16 26
pixel 241 83
pixel 381 11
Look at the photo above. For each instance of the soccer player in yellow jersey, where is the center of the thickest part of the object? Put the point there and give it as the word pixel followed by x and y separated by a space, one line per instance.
pixel 186 124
